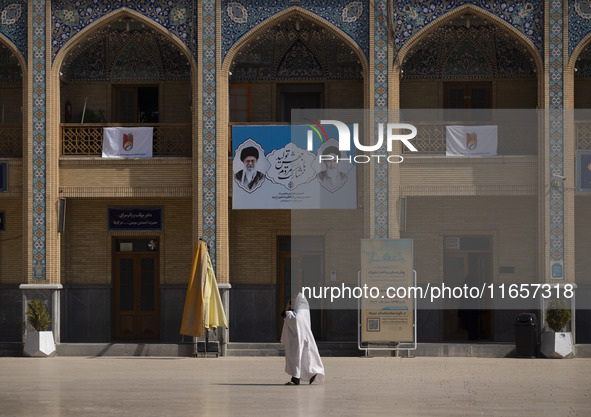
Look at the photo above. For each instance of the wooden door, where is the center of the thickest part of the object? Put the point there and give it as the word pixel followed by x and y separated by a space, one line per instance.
pixel 467 96
pixel 136 296
pixel 135 104
pixel 297 268
pixel 125 104
pixel 471 267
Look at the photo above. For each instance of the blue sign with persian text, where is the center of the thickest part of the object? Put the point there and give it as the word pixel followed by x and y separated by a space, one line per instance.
pixel 135 218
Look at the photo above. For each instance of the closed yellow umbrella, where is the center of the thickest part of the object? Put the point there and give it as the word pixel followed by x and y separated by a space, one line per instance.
pixel 203 305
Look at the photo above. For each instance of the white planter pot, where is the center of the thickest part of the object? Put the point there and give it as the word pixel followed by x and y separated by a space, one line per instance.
pixel 557 345
pixel 39 344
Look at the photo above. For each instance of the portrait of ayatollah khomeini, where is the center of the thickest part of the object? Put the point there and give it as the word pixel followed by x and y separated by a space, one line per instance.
pixel 248 178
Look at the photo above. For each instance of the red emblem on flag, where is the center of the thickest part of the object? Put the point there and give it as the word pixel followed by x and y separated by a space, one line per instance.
pixel 471 140
pixel 128 141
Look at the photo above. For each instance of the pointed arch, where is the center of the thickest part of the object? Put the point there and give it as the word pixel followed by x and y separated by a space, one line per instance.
pixel 299 51
pixel 19 56
pixel 481 66
pixel 279 17
pixel 27 140
pixel 569 72
pixel 145 67
pixel 123 12
pixel 470 8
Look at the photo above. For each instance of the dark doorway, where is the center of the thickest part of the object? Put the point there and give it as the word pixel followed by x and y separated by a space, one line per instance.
pixel 467 261
pixel 300 260
pixel 135 104
pixel 136 289
pixel 299 96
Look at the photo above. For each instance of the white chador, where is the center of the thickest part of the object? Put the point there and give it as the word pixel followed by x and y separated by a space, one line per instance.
pixel 302 359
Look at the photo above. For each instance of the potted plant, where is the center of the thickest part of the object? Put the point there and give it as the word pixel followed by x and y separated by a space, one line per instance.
pixel 558 342
pixel 39 342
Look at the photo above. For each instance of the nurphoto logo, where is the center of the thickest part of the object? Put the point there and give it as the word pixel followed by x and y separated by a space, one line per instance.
pixel 344 140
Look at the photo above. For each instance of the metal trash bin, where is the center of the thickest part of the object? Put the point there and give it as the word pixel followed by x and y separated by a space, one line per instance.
pixel 526 336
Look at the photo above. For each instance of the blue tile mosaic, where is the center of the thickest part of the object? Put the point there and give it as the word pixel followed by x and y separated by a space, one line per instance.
pixel 579 22
pixel 381 66
pixel 39 140
pixel 410 16
pixel 352 17
pixel 556 133
pixel 209 155
pixel 13 23
pixel 68 18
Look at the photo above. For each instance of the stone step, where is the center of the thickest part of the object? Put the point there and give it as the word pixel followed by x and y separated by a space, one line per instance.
pixel 125 349
pixel 277 349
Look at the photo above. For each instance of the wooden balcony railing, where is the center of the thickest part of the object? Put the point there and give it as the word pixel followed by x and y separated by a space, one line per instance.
pixel 86 139
pixel 11 141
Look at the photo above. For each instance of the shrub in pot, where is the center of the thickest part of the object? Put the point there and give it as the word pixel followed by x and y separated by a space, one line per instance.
pixel 557 315
pixel 558 343
pixel 39 342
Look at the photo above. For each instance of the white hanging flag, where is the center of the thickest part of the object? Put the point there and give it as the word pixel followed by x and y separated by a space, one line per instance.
pixel 471 140
pixel 127 142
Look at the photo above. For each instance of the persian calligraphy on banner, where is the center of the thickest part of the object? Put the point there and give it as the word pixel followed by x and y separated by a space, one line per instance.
pixel 471 140
pixel 273 169
pixel 127 142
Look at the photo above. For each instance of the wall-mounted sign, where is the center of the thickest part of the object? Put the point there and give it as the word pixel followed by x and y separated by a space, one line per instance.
pixel 387 317
pixel 584 171
pixel 135 218
pixel 1 220
pixel 3 176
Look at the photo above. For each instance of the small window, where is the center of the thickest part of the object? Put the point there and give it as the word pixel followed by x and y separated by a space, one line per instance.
pixel 240 103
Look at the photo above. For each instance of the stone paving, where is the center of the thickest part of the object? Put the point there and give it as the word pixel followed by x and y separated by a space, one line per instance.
pixel 254 386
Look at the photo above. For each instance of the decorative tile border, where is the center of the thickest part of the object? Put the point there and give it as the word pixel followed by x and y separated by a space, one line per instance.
pixel 381 113
pixel 556 137
pixel 209 127
pixel 579 22
pixel 69 17
pixel 238 17
pixel 39 140
pixel 13 23
pixel 410 16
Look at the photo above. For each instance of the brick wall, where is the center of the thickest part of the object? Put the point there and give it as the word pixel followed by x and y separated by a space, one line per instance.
pixel 253 241
pixel 87 244
pixel 344 95
pixel 173 98
pixel 507 94
pixel 11 104
pixel 266 104
pixel 516 94
pixel 11 242
pixel 511 221
pixel 582 96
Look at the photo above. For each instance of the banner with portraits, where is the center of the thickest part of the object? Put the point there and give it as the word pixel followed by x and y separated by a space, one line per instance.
pixel 272 168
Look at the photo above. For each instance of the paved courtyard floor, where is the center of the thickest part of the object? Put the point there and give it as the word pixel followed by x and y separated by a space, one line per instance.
pixel 254 386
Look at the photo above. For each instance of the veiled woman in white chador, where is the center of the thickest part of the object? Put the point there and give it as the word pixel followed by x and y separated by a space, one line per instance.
pixel 302 360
